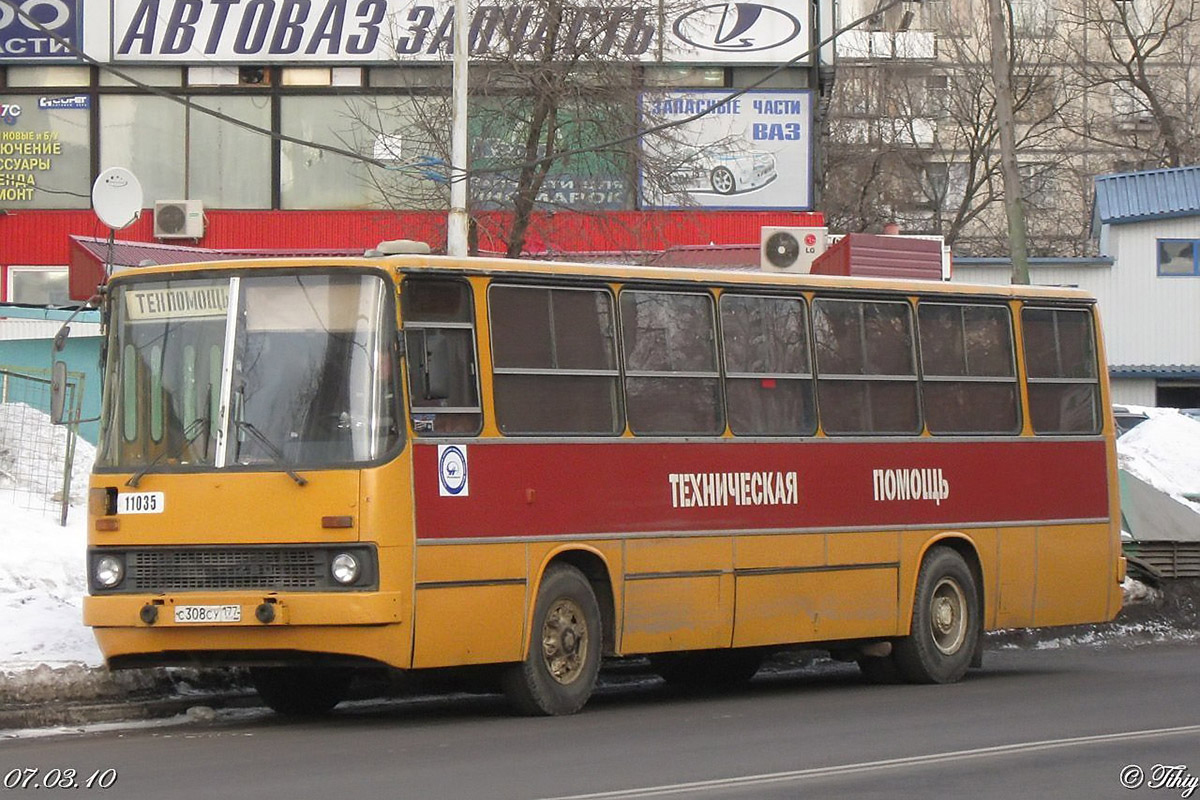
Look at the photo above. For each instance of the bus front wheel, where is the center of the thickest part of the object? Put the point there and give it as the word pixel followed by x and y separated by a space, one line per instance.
pixel 559 673
pixel 946 621
pixel 300 691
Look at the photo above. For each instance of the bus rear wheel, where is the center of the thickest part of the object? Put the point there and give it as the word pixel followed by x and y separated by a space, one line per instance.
pixel 300 691
pixel 559 673
pixel 946 622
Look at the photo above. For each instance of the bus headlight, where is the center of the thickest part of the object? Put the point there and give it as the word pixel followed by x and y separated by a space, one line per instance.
pixel 108 571
pixel 345 568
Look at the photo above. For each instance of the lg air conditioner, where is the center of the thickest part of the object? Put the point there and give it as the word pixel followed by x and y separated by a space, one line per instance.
pixel 179 219
pixel 790 249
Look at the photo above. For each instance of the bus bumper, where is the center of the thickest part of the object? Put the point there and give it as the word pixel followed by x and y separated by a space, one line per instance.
pixel 367 626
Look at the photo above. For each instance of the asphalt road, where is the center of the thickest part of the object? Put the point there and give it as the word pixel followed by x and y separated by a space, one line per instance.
pixel 1037 723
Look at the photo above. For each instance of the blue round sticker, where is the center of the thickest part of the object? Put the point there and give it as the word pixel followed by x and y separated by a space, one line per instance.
pixel 452 469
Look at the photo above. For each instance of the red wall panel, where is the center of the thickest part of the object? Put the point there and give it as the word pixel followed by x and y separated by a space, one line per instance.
pixel 42 237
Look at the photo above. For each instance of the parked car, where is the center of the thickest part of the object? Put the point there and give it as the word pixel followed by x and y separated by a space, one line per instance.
pixel 1127 419
pixel 724 171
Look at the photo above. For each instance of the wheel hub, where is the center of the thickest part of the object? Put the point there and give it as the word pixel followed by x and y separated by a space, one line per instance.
pixel 564 641
pixel 948 616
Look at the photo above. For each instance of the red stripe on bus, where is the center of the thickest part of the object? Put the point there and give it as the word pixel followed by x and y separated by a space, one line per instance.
pixel 548 489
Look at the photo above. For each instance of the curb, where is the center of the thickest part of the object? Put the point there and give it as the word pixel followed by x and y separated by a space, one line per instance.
pixel 84 712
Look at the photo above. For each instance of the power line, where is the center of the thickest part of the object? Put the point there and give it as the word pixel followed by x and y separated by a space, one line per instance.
pixel 459 174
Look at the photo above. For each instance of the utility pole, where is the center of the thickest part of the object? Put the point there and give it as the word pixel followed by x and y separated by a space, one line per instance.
pixel 1014 205
pixel 456 221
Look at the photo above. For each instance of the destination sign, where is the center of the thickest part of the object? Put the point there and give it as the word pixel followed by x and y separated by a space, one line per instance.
pixel 176 302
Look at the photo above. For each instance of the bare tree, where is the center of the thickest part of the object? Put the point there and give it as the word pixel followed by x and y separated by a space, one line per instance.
pixel 554 111
pixel 1138 64
pixel 916 141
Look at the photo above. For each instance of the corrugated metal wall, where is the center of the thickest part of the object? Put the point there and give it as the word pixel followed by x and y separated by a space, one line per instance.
pixel 1158 318
pixel 1135 391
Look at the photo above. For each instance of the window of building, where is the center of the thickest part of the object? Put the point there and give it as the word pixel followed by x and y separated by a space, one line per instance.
pixel 969 379
pixel 38 285
pixel 48 154
pixel 768 373
pixel 1033 99
pixel 937 95
pixel 311 178
pixel 1060 359
pixel 195 155
pixel 866 367
pixel 684 76
pixel 42 77
pixel 554 360
pixel 1037 181
pixel 1177 257
pixel 1033 18
pixel 672 385
pixel 439 338
pixel 130 121
pixel 150 76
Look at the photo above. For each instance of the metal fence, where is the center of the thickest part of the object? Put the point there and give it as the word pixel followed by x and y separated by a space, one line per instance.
pixel 37 457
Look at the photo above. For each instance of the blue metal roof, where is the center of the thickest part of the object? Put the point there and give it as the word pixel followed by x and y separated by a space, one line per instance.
pixel 1153 194
pixel 1179 371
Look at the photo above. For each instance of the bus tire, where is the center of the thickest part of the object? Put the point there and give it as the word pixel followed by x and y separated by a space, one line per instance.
pixel 559 673
pixel 300 691
pixel 946 621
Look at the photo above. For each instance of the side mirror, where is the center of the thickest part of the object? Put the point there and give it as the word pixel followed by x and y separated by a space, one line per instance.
pixel 437 366
pixel 60 338
pixel 58 392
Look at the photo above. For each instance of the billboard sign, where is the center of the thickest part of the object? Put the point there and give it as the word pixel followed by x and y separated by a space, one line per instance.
pixel 28 29
pixel 588 180
pixel 751 151
pixel 357 31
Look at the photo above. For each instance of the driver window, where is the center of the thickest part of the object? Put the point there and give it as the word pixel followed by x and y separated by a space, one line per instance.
pixel 439 339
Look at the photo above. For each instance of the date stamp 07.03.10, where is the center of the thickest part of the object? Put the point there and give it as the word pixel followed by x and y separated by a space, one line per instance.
pixel 58 778
pixel 1172 777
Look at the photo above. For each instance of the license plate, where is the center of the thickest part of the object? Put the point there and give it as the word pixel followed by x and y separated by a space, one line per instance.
pixel 185 614
pixel 140 502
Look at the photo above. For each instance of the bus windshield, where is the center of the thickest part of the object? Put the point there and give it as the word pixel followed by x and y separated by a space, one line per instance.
pixel 271 370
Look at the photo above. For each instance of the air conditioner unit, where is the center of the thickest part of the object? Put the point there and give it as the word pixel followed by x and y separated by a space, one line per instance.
pixel 790 249
pixel 179 219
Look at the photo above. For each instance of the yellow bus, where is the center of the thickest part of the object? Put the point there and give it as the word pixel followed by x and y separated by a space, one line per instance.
pixel 313 467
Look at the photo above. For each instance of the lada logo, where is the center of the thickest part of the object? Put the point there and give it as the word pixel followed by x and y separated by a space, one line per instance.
pixel 52 14
pixel 737 27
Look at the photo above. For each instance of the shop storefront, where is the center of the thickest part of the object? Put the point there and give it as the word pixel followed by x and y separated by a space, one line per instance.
pixel 297 124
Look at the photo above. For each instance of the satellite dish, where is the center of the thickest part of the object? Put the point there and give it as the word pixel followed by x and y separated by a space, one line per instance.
pixel 782 249
pixel 117 197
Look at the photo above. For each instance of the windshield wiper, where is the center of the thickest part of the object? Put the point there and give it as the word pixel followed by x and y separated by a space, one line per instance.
pixel 190 434
pixel 273 451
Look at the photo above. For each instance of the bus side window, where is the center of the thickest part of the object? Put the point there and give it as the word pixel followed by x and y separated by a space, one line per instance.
pixel 439 338
pixel 866 366
pixel 969 377
pixel 672 379
pixel 768 373
pixel 1060 358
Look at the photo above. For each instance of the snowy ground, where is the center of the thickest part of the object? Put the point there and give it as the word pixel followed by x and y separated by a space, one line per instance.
pixel 42 564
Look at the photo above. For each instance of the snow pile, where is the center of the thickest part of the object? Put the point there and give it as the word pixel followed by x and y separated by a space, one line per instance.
pixel 42 584
pixel 1164 451
pixel 32 458
pixel 42 571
